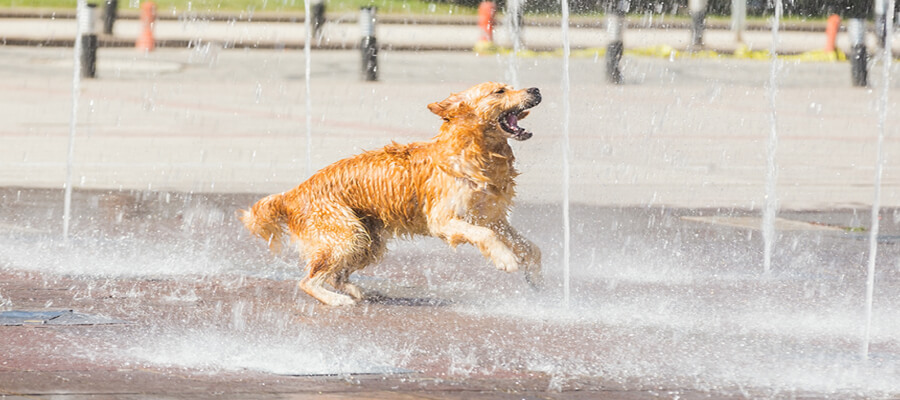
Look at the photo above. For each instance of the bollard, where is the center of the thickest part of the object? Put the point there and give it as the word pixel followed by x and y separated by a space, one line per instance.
pixel 110 12
pixel 831 30
pixel 856 30
pixel 486 12
pixel 87 17
pixel 616 47
pixel 318 11
pixel 698 17
pixel 368 45
pixel 145 39
pixel 738 19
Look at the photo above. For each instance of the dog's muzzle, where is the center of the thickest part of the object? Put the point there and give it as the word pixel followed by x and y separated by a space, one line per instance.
pixel 509 121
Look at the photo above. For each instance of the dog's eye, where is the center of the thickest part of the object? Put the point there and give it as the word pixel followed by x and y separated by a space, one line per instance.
pixel 500 91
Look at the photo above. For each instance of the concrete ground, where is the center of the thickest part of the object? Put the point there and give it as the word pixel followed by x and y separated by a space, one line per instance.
pixel 683 132
pixel 668 296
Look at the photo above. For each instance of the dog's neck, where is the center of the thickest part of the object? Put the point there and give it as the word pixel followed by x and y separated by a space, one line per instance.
pixel 476 151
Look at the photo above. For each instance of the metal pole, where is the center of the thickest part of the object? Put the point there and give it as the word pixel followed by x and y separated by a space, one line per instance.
pixel 318 11
pixel 368 45
pixel 698 17
pixel 739 19
pixel 87 17
pixel 616 47
pixel 856 30
pixel 110 12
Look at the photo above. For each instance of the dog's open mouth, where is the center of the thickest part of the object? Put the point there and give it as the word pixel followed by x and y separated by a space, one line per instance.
pixel 509 121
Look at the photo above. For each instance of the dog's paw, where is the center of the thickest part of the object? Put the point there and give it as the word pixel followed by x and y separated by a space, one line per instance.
pixel 534 277
pixel 506 261
pixel 340 300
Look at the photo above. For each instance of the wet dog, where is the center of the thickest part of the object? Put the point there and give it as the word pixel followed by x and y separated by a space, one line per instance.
pixel 459 187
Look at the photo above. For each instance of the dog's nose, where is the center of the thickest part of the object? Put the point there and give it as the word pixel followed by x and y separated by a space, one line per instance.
pixel 535 94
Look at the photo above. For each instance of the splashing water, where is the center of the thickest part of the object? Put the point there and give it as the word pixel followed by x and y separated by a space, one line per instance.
pixel 81 7
pixel 307 56
pixel 771 204
pixel 879 168
pixel 566 114
pixel 515 33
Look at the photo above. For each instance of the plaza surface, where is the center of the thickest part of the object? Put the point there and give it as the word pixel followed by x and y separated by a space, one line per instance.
pixel 666 174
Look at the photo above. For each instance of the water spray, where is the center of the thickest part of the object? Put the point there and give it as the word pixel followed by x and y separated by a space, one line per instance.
pixel 81 6
pixel 307 55
pixel 566 115
pixel 770 208
pixel 887 55
pixel 514 27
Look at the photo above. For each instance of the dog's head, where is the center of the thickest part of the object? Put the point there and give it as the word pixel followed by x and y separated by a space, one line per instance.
pixel 496 105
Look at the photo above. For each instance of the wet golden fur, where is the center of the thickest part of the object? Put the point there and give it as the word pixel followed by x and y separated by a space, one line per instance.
pixel 459 187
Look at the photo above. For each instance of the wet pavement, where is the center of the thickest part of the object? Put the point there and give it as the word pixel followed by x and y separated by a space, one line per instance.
pixel 665 302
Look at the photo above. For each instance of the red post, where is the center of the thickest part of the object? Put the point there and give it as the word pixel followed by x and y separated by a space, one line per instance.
pixel 145 39
pixel 831 31
pixel 486 12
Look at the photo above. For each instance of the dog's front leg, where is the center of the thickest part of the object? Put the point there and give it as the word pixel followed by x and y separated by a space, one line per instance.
pixel 456 231
pixel 525 250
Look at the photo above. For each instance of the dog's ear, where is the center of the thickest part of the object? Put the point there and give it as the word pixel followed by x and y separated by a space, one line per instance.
pixel 437 108
pixel 448 107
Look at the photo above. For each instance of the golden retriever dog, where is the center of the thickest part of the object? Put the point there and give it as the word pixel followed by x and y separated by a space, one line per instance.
pixel 459 187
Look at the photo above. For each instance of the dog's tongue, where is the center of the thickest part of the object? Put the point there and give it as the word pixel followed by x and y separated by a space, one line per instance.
pixel 513 121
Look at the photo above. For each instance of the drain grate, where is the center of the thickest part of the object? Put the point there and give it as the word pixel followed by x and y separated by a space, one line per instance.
pixel 54 317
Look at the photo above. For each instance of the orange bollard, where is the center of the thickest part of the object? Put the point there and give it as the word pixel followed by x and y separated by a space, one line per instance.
pixel 831 31
pixel 486 12
pixel 145 39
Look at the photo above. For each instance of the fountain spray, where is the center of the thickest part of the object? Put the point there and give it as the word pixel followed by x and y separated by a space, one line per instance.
pixel 307 56
pixel 566 112
pixel 82 12
pixel 879 168
pixel 770 207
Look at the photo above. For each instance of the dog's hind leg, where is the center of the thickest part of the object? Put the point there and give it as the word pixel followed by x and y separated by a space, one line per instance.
pixel 342 244
pixel 320 271
pixel 341 281
pixel 371 247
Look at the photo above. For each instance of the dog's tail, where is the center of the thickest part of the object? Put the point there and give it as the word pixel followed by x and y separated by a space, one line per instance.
pixel 265 219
